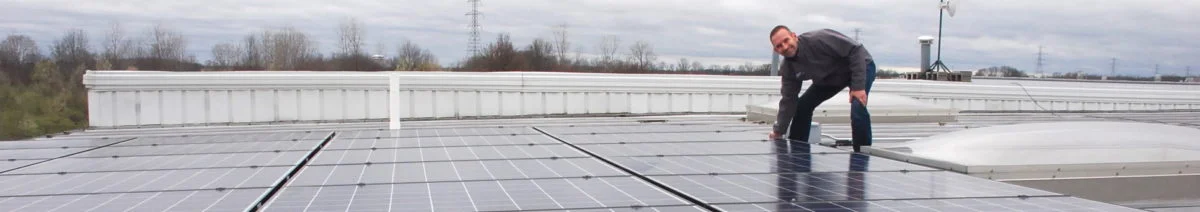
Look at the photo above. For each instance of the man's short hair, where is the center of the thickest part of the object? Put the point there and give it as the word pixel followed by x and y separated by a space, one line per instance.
pixel 777 28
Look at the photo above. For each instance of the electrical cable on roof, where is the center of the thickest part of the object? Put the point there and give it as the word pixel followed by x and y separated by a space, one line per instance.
pixel 1035 102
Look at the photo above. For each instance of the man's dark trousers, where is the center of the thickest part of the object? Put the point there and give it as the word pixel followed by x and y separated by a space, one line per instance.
pixel 860 119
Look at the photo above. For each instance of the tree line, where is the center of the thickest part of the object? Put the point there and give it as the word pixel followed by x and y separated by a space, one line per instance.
pixel 43 94
pixel 1008 71
pixel 555 55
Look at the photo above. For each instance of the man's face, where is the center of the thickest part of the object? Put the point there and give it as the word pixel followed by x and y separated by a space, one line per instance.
pixel 784 43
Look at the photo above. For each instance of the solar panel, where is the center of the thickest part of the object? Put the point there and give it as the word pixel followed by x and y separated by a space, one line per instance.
pixel 194 200
pixel 227 138
pixel 536 194
pixel 818 186
pixel 639 128
pixel 120 182
pixel 437 132
pixel 234 160
pixel 635 208
pixel 57 143
pixel 693 148
pixel 983 204
pixel 446 141
pixel 359 156
pixel 453 171
pixel 6 165
pixel 705 164
pixel 657 167
pixel 209 148
pixel 710 136
pixel 32 154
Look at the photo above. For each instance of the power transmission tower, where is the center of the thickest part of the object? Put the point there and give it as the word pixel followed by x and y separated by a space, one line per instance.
pixel 856 31
pixel 1113 70
pixel 1040 61
pixel 473 42
pixel 1156 69
pixel 1189 71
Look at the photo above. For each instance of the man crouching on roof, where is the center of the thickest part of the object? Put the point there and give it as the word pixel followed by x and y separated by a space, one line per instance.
pixel 833 62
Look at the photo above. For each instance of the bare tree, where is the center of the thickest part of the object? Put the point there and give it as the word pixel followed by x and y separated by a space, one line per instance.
pixel 641 56
pixel 19 49
pixel 286 48
pixel 380 48
pixel 252 46
pixel 351 33
pixel 683 65
pixel 226 56
pixel 502 56
pixel 608 49
pixel 747 67
pixel 18 55
pixel 410 57
pixel 697 66
pixel 560 42
pixel 71 52
pixel 167 48
pixel 117 47
pixel 540 55
pixel 579 56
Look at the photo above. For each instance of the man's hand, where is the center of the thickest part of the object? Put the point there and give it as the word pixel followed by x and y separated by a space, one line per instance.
pixel 861 95
pixel 773 136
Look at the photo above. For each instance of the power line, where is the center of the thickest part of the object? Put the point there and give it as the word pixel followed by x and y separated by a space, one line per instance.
pixel 473 42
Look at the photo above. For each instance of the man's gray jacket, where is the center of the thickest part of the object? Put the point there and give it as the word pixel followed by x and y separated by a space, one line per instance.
pixel 826 57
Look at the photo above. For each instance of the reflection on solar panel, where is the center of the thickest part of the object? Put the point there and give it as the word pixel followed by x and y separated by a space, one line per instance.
pixel 609 167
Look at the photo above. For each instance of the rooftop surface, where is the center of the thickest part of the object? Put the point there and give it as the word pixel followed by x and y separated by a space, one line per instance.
pixel 666 163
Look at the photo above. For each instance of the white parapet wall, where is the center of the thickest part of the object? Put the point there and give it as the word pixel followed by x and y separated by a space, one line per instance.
pixel 152 98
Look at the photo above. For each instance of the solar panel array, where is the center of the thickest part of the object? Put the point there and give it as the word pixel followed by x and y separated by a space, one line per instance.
pixel 633 167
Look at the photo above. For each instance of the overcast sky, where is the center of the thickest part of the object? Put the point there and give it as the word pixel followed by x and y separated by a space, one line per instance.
pixel 1076 34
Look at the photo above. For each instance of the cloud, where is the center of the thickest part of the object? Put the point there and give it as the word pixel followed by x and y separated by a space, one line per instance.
pixel 1075 34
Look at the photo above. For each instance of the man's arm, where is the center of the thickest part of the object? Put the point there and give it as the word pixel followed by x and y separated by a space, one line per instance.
pixel 858 67
pixel 787 105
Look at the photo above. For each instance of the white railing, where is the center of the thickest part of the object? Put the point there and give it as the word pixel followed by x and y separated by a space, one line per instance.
pixel 148 98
